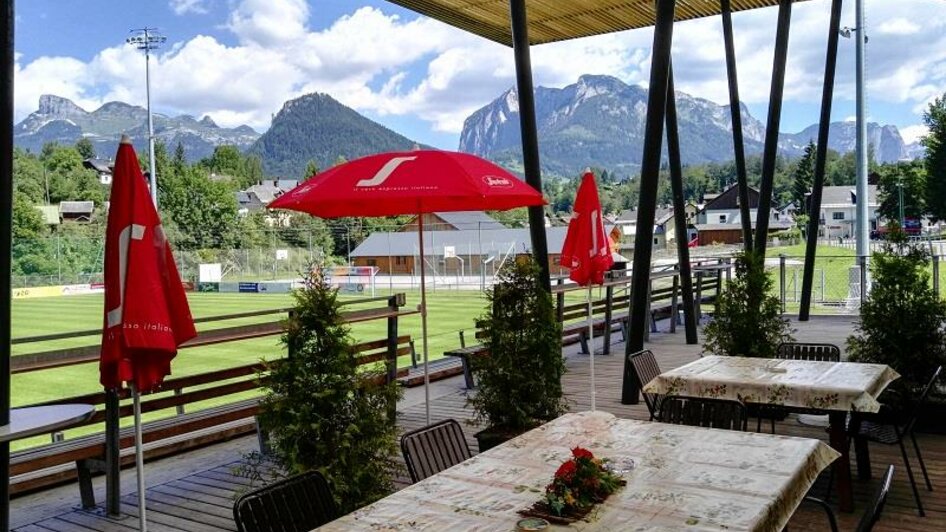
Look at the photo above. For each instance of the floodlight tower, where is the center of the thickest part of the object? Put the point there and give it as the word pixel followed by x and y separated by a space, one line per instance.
pixel 148 39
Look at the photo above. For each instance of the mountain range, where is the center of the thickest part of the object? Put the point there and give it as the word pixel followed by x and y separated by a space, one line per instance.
pixel 60 120
pixel 316 127
pixel 599 121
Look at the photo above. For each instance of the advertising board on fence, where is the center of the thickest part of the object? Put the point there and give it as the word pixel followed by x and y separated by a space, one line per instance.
pixel 55 291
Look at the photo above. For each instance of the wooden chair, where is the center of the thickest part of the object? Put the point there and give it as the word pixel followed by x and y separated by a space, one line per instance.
pixel 797 351
pixel 871 515
pixel 703 412
pixel 872 429
pixel 645 370
pixel 431 449
pixel 295 504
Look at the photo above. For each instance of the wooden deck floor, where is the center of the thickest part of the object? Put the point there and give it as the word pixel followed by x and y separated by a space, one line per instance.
pixel 195 492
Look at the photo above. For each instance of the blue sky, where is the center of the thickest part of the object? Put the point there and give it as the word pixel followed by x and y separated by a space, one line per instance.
pixel 239 60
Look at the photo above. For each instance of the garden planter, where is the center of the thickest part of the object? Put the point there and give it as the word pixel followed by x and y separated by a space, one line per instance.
pixel 490 437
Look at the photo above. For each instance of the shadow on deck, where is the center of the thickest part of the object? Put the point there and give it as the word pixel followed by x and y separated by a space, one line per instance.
pixel 195 491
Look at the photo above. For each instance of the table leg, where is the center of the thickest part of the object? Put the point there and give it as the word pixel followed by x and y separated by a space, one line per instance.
pixel 842 466
pixel 861 449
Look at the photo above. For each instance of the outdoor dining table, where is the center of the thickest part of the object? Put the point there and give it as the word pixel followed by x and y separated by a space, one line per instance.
pixel 678 477
pixel 835 388
pixel 35 420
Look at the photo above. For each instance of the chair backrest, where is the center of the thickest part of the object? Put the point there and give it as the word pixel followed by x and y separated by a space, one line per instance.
pixel 872 514
pixel 918 406
pixel 645 370
pixel 703 412
pixel 295 504
pixel 431 449
pixel 809 351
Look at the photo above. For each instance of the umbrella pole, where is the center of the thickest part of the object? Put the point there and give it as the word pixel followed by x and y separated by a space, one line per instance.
pixel 423 314
pixel 139 460
pixel 591 345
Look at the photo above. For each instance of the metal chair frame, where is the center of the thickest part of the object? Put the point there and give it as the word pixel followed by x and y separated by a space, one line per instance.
pixel 646 369
pixel 703 412
pixel 295 504
pixel 431 449
pixel 873 432
pixel 872 515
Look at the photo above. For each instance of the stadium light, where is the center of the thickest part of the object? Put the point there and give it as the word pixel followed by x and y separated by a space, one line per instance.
pixel 148 39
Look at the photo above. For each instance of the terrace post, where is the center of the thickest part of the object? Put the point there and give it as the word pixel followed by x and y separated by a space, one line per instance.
pixel 772 124
pixel 394 303
pixel 821 157
pixel 530 135
pixel 113 466
pixel 6 226
pixel 735 110
pixel 936 275
pixel 679 215
pixel 650 172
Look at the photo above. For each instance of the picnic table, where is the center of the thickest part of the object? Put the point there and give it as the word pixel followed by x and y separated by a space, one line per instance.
pixel 835 388
pixel 35 420
pixel 677 477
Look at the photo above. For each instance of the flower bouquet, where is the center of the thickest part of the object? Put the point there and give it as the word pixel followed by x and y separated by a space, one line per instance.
pixel 580 483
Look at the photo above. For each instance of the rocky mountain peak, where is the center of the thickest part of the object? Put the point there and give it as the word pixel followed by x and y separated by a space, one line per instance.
pixel 59 107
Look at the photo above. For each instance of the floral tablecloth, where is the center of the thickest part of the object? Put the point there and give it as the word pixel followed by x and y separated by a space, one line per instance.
pixel 840 386
pixel 678 478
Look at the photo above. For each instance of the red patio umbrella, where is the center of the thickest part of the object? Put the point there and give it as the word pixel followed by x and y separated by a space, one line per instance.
pixel 414 182
pixel 587 251
pixel 146 311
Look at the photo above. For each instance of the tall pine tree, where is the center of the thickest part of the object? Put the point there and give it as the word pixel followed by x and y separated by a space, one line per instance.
pixel 935 144
pixel 803 178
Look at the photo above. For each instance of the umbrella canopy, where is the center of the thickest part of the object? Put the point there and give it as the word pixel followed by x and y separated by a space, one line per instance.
pixel 146 311
pixel 413 182
pixel 587 249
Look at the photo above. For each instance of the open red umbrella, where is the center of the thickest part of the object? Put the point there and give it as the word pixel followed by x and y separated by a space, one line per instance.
pixel 587 251
pixel 414 182
pixel 146 311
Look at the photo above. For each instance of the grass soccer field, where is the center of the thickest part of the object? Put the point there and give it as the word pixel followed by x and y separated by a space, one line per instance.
pixel 448 312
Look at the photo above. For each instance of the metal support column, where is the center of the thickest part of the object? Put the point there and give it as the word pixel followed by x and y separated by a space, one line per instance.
pixel 772 125
pixel 735 110
pixel 530 136
pixel 862 225
pixel 821 157
pixel 650 172
pixel 6 228
pixel 679 213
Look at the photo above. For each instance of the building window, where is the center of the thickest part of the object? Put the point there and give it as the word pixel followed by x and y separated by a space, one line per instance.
pixel 400 260
pixel 722 218
pixel 655 241
pixel 372 262
pixel 837 216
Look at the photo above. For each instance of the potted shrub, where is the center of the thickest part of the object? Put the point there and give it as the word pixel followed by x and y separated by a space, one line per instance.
pixel 748 321
pixel 902 322
pixel 519 379
pixel 321 411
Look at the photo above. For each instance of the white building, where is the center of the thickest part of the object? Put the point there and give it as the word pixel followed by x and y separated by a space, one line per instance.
pixel 839 210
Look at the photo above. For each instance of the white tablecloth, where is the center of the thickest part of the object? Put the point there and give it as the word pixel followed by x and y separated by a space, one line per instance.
pixel 840 386
pixel 681 478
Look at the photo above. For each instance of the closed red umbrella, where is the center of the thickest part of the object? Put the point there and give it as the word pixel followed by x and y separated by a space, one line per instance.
pixel 587 251
pixel 146 311
pixel 414 182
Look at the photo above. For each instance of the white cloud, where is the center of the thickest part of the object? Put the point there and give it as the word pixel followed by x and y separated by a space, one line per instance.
pixel 898 26
pixel 269 22
pixel 913 133
pixel 183 7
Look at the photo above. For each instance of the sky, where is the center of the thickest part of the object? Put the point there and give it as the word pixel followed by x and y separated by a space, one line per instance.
pixel 238 61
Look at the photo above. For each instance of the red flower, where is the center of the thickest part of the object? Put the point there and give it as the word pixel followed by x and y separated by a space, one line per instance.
pixel 578 452
pixel 566 470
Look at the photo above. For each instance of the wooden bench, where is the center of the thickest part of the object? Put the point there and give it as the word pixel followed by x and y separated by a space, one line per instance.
pixel 50 464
